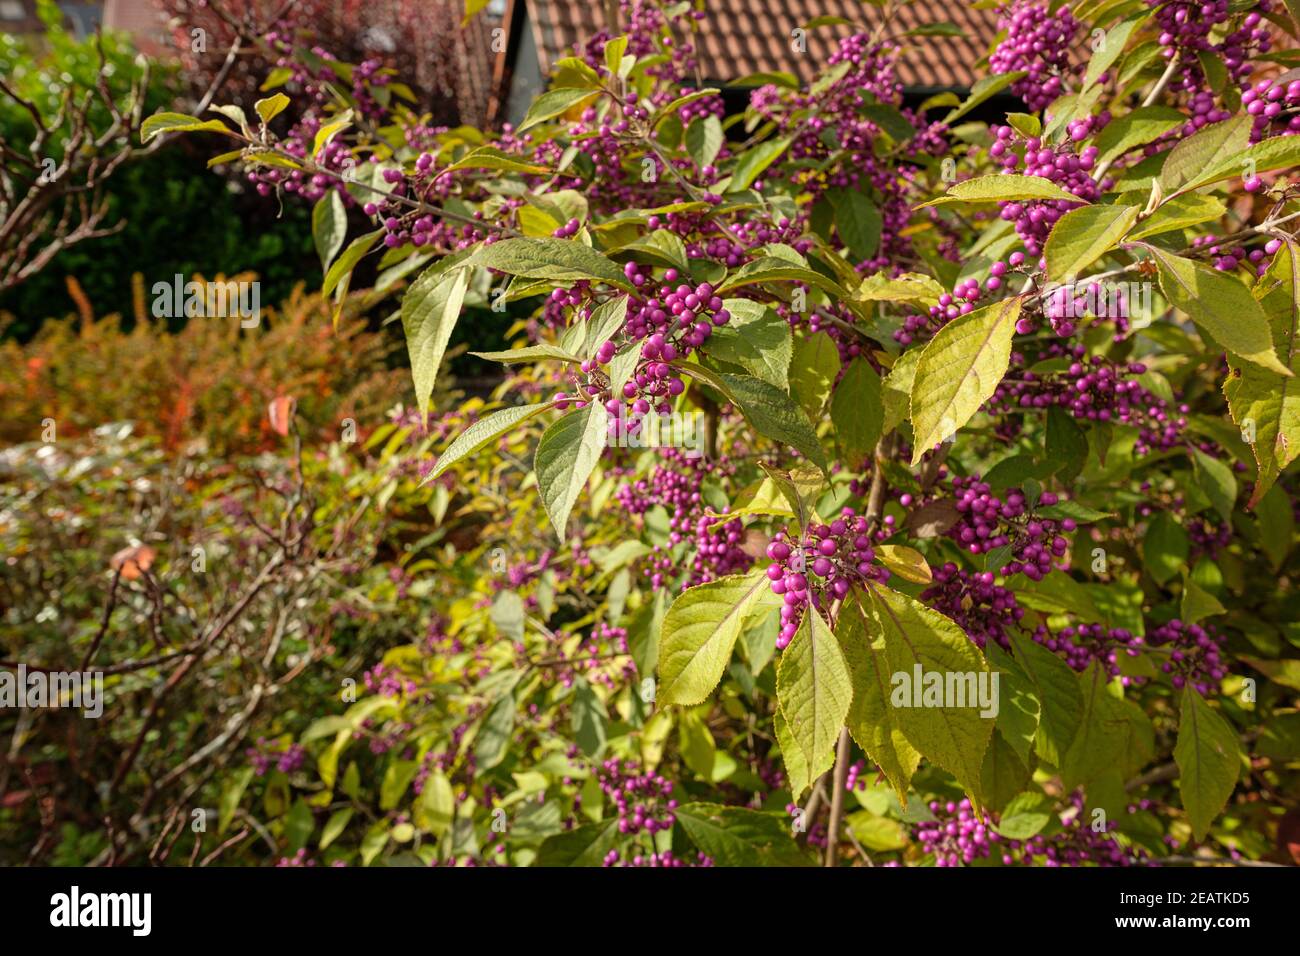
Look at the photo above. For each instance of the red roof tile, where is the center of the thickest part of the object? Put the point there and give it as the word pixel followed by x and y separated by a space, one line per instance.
pixel 740 37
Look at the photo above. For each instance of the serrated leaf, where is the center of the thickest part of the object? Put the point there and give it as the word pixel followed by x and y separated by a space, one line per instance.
pixel 161 123
pixel 329 227
pixel 483 432
pixel 489 157
pixel 737 836
pixel 1209 761
pixel 586 845
pixel 1057 689
pixel 752 163
pixel 858 222
pixel 1205 149
pixel 1165 548
pixel 1139 127
pixel 871 719
pixel 430 309
pixel 704 139
pixel 1084 235
pixel 1221 305
pixel 959 371
pixel 1271 403
pixel 563 259
pixel 916 636
pixel 756 339
pixel 858 409
pixel 813 688
pixel 774 415
pixel 552 104
pixel 699 632
pixel 1003 188
pixel 566 455
pixel 1099 741
pixel 813 372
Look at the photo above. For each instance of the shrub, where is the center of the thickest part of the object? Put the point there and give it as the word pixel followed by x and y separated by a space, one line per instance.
pixel 971 551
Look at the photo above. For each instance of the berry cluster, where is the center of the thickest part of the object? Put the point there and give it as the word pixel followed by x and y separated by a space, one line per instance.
pixel 1195 654
pixel 286 757
pixel 986 521
pixel 1095 391
pixel 838 555
pixel 1078 645
pixel 1060 164
pixel 675 485
pixel 982 608
pixel 643 799
pixel 1038 40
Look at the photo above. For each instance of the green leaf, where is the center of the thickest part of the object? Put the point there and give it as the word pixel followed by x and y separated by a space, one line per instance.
pixel 552 104
pixel 587 717
pixel 345 263
pixel 397 777
pixel 751 163
pixel 334 826
pixel 1268 404
pixel 507 614
pixel 918 638
pixel 271 107
pixel 857 409
pixel 1067 444
pixel 493 738
pixel 483 432
pixel 1025 815
pixel 1277 152
pixel 871 719
pixel 1004 773
pixel 1020 710
pixel 1084 235
pixel 1207 148
pixel 606 319
pixel 1058 691
pixel 704 140
pixel 813 371
pixel 910 288
pixel 530 353
pixel 586 845
pixel 231 795
pixel 984 89
pixel 699 632
pixel 813 688
pixel 797 771
pixel 959 371
pixel 1221 305
pixel 329 227
pixel 774 415
pixel 1003 188
pixel 1217 481
pixel 736 836
pixel 430 309
pixel 896 389
pixel 1209 761
pixel 562 259
pixel 489 157
pixel 774 269
pixel 1197 604
pixel 329 131
pixel 1102 734
pixel 1112 46
pixel 1165 548
pixel 1144 125
pixel 756 339
pixel 565 457
pixel 858 222
pixel 161 123
pixel 436 808
pixel 1190 209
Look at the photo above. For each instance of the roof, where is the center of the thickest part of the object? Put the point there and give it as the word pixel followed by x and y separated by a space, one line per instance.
pixel 740 37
